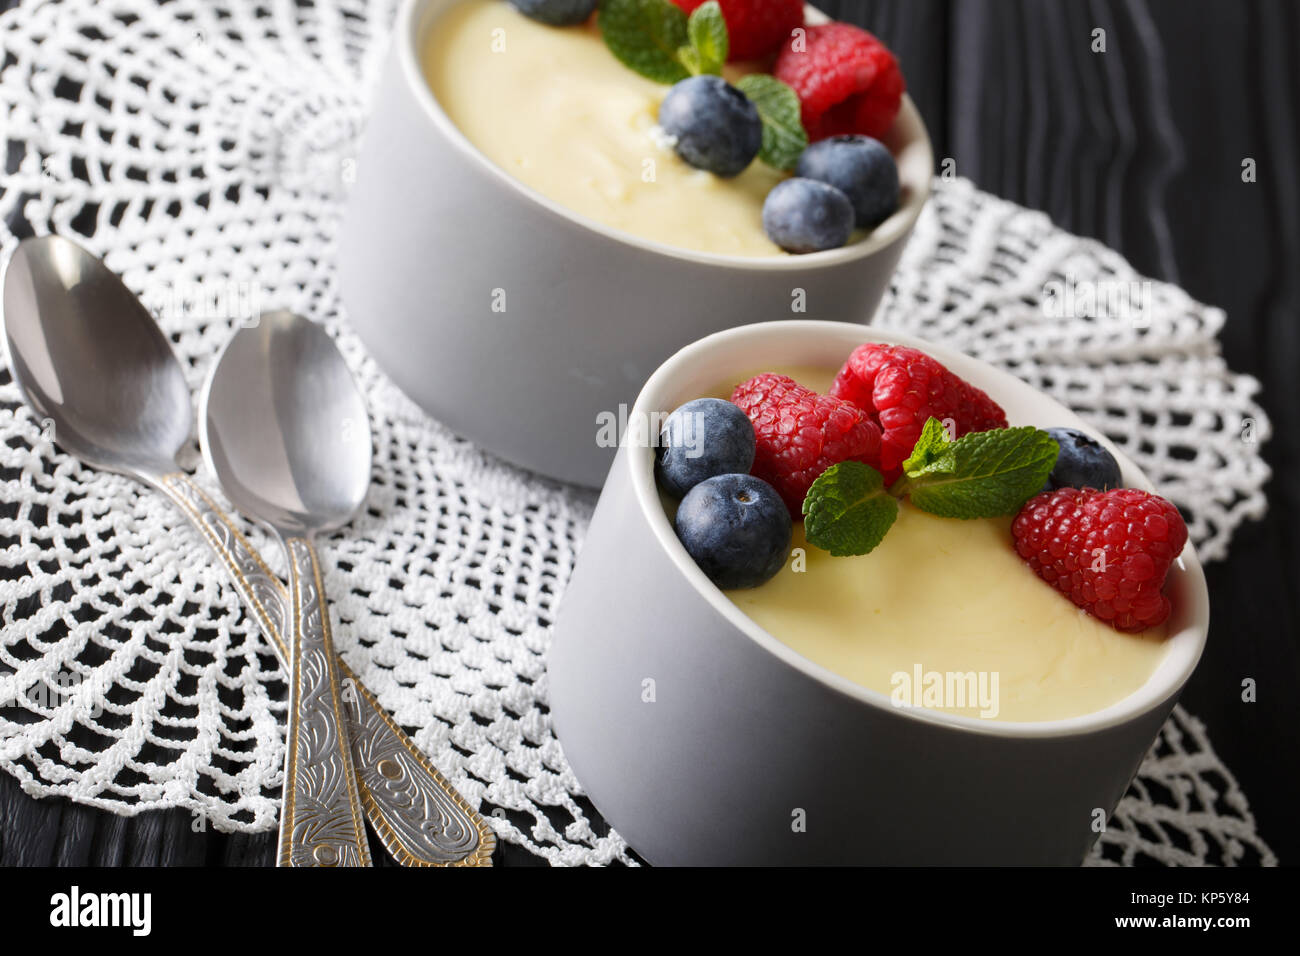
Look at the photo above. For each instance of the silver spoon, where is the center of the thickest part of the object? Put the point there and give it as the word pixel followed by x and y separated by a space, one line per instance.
pixel 92 362
pixel 285 430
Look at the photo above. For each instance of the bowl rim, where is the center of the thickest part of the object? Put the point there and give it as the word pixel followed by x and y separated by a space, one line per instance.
pixel 414 19
pixel 1184 647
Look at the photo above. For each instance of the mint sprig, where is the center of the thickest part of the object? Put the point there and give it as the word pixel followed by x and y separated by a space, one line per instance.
pixel 932 453
pixel 784 139
pixel 981 475
pixel 848 510
pixel 646 35
pixel 709 42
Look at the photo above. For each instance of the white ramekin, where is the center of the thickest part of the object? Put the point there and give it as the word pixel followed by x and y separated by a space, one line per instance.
pixel 433 229
pixel 744 735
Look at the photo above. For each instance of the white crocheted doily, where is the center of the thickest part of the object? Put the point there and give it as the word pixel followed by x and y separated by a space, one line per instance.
pixel 203 148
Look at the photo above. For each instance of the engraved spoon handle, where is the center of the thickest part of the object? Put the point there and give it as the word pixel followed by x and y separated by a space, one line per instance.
pixel 420 817
pixel 321 822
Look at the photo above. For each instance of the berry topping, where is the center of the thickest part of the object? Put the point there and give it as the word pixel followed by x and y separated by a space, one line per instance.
pixel 846 79
pixel 756 27
pixel 736 528
pixel 803 215
pixel 861 168
pixel 801 433
pixel 1107 551
pixel 556 13
pixel 1083 462
pixel 715 125
pixel 702 439
pixel 900 388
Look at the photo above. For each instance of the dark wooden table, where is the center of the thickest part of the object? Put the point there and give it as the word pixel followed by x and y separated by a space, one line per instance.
pixel 1140 147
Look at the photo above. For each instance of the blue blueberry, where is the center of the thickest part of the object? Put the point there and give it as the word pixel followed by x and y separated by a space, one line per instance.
pixel 716 126
pixel 861 168
pixel 737 529
pixel 803 215
pixel 703 438
pixel 556 13
pixel 1082 463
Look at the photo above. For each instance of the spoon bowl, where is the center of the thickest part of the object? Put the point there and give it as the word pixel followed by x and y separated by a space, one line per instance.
pixel 285 427
pixel 91 359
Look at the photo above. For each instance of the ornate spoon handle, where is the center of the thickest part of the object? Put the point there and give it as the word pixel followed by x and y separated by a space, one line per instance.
pixel 321 822
pixel 420 817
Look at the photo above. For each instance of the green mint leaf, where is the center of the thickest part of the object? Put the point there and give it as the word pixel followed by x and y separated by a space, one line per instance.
pixel 646 35
pixel 784 138
pixel 980 475
pixel 932 452
pixel 847 510
pixel 690 58
pixel 710 43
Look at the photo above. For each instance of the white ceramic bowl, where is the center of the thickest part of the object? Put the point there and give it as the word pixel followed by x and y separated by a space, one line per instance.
pixel 433 227
pixel 744 731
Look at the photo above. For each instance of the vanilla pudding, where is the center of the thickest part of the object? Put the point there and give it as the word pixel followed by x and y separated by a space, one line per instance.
pixel 553 107
pixel 944 614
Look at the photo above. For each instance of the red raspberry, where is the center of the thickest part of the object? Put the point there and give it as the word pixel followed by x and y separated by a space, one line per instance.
pixel 1107 551
pixel 901 387
pixel 847 81
pixel 801 434
pixel 755 27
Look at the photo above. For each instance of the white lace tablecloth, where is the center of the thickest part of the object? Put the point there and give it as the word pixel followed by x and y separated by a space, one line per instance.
pixel 203 148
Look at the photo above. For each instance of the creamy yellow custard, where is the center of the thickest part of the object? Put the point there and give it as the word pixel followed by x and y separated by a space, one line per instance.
pixel 555 109
pixel 944 614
